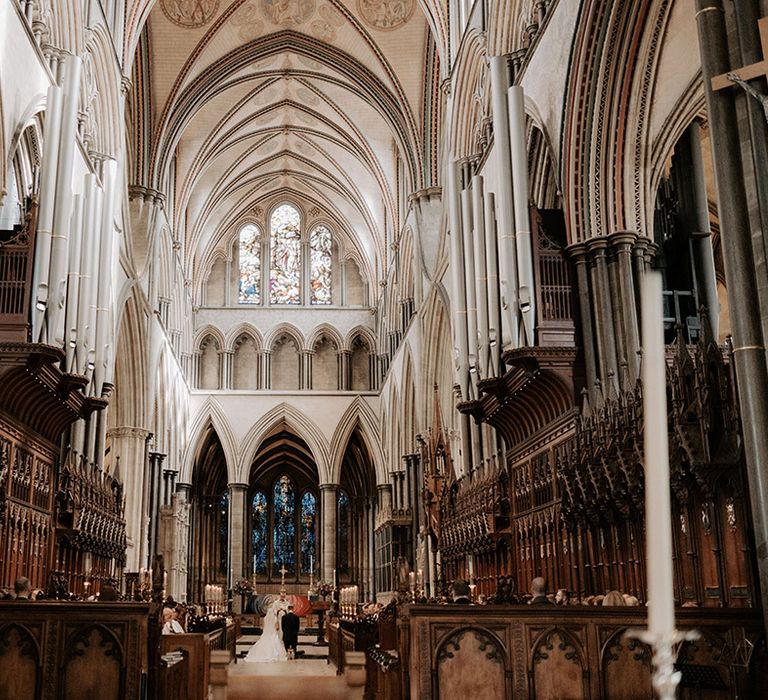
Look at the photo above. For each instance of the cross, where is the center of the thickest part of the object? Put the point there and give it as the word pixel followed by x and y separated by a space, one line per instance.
pixel 283 571
pixel 722 81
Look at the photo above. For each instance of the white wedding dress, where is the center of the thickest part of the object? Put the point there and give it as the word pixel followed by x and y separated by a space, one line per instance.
pixel 270 645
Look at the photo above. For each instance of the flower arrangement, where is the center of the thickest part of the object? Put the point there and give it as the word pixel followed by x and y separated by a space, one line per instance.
pixel 323 588
pixel 243 587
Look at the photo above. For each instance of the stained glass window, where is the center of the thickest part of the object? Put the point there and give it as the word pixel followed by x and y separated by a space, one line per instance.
pixel 320 271
pixel 342 552
pixel 284 531
pixel 285 241
pixel 308 532
pixel 250 265
pixel 259 524
pixel 223 532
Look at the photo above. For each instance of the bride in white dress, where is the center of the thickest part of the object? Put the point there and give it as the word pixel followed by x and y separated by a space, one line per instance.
pixel 270 645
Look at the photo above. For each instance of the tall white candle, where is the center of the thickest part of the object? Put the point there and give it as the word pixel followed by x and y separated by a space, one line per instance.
pixel 658 514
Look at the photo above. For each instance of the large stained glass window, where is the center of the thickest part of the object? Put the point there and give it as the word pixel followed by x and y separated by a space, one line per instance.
pixel 259 525
pixel 320 270
pixel 308 533
pixel 223 532
pixel 249 289
pixel 342 551
pixel 285 269
pixel 284 531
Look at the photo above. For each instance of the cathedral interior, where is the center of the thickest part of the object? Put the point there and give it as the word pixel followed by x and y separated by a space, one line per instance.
pixel 343 299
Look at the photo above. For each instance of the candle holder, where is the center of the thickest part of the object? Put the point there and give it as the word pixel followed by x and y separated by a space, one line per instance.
pixel 665 646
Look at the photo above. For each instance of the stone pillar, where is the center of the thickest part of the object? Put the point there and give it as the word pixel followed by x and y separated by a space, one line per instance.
pixel 225 369
pixel 385 498
pixel 701 240
pixel 329 498
pixel 606 343
pixel 625 311
pixel 237 496
pixel 578 253
pixel 733 207
pixel 266 370
pixel 345 370
pixel 481 276
pixel 180 570
pixel 128 446
pixel 469 275
pixel 305 380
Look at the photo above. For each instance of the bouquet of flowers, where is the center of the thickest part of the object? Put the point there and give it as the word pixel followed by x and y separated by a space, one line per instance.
pixel 323 588
pixel 243 587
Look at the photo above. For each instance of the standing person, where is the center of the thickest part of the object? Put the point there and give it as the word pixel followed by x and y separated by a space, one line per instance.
pixel 290 626
pixel 270 646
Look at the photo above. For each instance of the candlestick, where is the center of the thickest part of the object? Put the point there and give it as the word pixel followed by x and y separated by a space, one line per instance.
pixel 661 634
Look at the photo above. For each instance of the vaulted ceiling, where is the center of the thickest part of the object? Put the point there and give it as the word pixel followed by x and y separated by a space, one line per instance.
pixel 238 102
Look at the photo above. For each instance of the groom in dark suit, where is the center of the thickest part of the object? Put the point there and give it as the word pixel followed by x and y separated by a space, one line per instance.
pixel 290 627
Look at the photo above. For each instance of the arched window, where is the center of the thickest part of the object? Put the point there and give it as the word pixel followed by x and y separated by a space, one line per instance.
pixel 342 551
pixel 223 532
pixel 285 242
pixel 259 518
pixel 308 533
pixel 284 531
pixel 249 289
pixel 320 269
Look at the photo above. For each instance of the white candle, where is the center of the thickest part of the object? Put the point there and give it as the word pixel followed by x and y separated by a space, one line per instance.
pixel 658 517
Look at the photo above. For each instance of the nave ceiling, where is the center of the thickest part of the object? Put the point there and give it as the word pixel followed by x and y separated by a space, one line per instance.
pixel 239 104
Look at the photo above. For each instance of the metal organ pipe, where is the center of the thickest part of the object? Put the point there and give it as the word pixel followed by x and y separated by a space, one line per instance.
pixel 481 275
pixel 492 265
pixel 87 261
pixel 457 274
pixel 63 204
pixel 73 285
pixel 104 290
pixel 44 233
pixel 506 218
pixel 469 271
pixel 516 107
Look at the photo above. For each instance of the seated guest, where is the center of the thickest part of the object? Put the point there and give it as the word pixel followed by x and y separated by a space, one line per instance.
pixel 460 592
pixel 631 600
pixel 171 625
pixel 613 598
pixel 108 593
pixel 23 588
pixel 562 597
pixel 539 592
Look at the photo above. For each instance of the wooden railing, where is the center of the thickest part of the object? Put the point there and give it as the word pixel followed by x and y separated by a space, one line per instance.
pixel 17 252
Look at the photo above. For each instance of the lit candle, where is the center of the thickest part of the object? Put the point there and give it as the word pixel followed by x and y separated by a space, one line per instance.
pixel 658 517
pixel 412 581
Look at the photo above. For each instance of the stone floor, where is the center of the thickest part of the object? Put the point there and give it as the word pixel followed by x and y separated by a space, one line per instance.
pixel 310 676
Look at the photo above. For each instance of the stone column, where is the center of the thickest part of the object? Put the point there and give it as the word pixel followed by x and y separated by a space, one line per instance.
pixel 180 572
pixel 329 504
pixel 305 380
pixel 266 370
pixel 578 253
pixel 128 446
pixel 625 311
pixel 733 207
pixel 481 276
pixel 237 495
pixel 606 343
pixel 469 274
pixel 385 498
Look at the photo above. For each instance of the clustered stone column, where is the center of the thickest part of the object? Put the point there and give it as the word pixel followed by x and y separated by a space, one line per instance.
pixel 329 502
pixel 609 271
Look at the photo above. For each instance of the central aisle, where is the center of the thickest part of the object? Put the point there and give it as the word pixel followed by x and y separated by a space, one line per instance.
pixel 309 677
